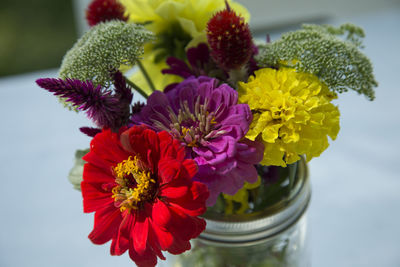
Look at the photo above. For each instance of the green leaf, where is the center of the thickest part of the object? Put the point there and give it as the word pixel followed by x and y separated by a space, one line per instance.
pixel 75 174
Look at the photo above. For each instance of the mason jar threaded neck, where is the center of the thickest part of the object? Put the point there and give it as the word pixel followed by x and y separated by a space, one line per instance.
pixel 252 228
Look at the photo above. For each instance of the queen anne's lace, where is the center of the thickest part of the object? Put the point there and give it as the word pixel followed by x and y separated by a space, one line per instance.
pixel 103 49
pixel 319 50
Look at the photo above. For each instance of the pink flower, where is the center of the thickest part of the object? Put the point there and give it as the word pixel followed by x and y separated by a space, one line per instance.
pixel 206 118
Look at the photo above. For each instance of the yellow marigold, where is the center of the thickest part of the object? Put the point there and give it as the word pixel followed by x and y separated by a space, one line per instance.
pixel 178 25
pixel 292 114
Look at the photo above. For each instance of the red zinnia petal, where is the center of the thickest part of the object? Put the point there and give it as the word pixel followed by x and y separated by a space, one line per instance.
pixel 106 151
pixel 127 224
pixel 95 195
pixel 168 170
pixel 154 243
pixel 140 232
pixel 160 214
pixel 148 258
pixel 175 190
pixel 170 148
pixel 183 226
pixel 191 202
pixel 94 200
pixel 94 174
pixel 106 223
pixel 164 238
pixel 163 218
pixel 142 142
pixel 179 246
pixel 119 245
pixel 190 167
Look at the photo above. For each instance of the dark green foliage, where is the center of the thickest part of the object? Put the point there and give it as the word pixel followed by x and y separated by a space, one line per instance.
pixel 34 35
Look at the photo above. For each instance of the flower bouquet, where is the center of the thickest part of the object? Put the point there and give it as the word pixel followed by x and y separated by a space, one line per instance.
pixel 224 131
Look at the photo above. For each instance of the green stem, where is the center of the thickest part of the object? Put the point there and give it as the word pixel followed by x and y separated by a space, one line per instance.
pixel 137 88
pixel 146 76
pixel 238 75
pixel 292 174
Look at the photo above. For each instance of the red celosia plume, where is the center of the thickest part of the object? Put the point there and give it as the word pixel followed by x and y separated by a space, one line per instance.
pixel 230 39
pixel 104 10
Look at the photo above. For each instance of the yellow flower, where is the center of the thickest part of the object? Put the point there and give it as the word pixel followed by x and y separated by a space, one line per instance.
pixel 292 114
pixel 178 25
pixel 241 197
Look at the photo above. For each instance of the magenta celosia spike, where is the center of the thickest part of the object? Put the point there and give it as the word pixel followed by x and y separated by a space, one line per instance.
pixel 90 131
pixel 101 105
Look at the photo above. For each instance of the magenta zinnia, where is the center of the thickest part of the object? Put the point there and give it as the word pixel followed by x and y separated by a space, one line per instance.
pixel 140 187
pixel 207 119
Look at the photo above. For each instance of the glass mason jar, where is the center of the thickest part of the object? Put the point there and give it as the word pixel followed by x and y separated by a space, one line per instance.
pixel 274 236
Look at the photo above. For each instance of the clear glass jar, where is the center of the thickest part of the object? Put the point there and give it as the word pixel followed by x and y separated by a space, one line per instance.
pixel 275 236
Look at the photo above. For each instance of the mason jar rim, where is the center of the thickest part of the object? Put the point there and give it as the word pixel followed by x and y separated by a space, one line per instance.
pixel 265 224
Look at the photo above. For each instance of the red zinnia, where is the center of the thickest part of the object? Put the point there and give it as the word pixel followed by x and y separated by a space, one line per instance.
pixel 230 39
pixel 104 10
pixel 139 185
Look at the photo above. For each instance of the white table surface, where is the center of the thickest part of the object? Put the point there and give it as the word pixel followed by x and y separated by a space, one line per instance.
pixel 354 217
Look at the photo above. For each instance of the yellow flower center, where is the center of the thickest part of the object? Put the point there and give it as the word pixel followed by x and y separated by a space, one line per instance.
pixel 135 185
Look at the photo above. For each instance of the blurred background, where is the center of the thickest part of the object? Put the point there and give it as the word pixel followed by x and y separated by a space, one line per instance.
pixel 34 35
